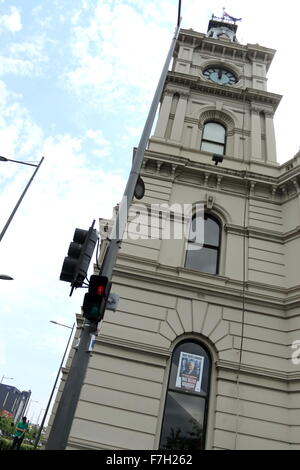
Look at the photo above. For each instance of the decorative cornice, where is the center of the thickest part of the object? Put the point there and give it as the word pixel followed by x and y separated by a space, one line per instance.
pixel 219 115
pixel 239 94
pixel 249 52
pixel 151 350
pixel 197 285
pixel 264 234
pixel 261 372
pixel 277 189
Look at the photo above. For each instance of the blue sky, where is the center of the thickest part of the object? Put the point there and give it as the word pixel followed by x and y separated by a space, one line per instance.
pixel 76 82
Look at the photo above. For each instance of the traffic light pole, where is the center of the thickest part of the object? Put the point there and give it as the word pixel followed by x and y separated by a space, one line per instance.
pixel 53 390
pixel 122 215
pixel 64 415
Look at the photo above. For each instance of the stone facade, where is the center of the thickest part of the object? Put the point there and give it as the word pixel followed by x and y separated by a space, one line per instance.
pixel 247 316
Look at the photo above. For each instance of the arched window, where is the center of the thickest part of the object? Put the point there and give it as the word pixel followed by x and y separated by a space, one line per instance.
pixel 185 414
pixel 204 258
pixel 214 138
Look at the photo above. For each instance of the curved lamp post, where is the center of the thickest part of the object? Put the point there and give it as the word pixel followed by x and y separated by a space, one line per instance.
pixel 5 377
pixel 4 159
pixel 56 380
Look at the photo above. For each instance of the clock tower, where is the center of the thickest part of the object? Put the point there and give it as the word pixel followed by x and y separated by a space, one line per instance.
pixel 203 350
pixel 215 77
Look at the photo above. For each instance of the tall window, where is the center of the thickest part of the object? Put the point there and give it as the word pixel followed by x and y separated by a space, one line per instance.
pixel 214 138
pixel 205 258
pixel 185 414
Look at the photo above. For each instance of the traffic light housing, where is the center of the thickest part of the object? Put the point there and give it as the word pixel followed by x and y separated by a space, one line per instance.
pixel 76 263
pixel 94 301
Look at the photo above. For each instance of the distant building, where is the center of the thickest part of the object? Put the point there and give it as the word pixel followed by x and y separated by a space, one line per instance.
pixel 13 401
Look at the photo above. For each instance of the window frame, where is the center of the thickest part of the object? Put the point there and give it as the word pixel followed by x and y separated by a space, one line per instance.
pixel 208 215
pixel 214 142
pixel 205 397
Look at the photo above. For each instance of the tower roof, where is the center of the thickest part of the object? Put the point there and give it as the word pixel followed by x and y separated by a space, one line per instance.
pixel 216 22
pixel 224 26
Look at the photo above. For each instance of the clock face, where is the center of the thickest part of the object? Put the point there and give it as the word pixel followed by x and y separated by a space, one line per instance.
pixel 220 76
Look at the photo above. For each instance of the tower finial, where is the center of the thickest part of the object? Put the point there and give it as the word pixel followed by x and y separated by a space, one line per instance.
pixel 229 17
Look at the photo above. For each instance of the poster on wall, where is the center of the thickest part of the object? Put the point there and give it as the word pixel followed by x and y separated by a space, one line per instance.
pixel 189 372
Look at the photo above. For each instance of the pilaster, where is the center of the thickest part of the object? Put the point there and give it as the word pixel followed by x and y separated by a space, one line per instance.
pixel 164 114
pixel 270 139
pixel 255 134
pixel 177 128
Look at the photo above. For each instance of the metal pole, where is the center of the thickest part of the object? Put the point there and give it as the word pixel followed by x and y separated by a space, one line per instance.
pixel 20 200
pixel 4 159
pixel 122 215
pixel 64 415
pixel 42 409
pixel 63 419
pixel 52 393
pixel 179 13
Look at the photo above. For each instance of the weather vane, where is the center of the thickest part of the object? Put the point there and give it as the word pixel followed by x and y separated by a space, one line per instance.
pixel 226 16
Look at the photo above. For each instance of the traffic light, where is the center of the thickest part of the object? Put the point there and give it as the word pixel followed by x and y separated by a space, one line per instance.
pixel 76 263
pixel 94 301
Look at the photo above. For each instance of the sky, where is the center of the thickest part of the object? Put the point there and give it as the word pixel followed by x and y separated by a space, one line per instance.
pixel 77 78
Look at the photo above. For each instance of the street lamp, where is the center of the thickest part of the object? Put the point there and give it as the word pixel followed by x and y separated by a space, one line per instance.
pixel 9 378
pixel 42 409
pixel 4 159
pixel 30 401
pixel 56 380
pixel 5 377
pixel 61 324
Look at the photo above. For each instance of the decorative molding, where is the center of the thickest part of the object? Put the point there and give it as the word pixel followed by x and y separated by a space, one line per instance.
pixel 133 345
pixel 269 114
pixel 214 114
pixel 238 94
pixel 296 185
pixel 210 199
pixel 206 177
pixel 252 187
pixel 255 111
pixel 257 371
pixel 263 234
pixel 145 274
pixel 219 179
pixel 158 166
pixel 283 189
pixel 271 184
pixel 273 194
pixel 173 172
pixel 191 120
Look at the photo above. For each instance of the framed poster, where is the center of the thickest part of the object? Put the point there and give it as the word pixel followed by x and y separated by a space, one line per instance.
pixel 189 372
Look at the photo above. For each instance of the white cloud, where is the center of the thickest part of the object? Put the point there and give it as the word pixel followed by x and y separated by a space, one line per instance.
pixel 15 66
pixel 27 58
pixel 19 135
pixel 102 145
pixel 12 21
pixel 111 60
pixel 2 353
